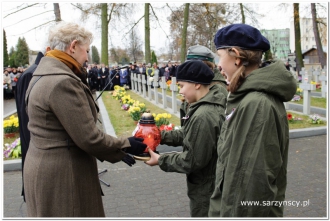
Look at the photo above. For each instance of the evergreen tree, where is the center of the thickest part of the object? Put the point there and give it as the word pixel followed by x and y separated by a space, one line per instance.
pixel 153 58
pixel 5 52
pixel 22 52
pixel 95 55
pixel 12 57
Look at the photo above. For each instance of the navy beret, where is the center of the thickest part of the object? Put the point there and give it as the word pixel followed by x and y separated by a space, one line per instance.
pixel 241 35
pixel 194 71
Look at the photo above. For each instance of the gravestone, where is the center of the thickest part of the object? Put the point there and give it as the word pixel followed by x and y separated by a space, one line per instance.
pixel 307 87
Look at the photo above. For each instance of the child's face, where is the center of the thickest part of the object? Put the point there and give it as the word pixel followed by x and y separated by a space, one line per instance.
pixel 188 91
pixel 227 64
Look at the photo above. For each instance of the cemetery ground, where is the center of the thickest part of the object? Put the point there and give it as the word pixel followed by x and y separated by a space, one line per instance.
pixel 144 191
pixel 123 124
pixel 315 102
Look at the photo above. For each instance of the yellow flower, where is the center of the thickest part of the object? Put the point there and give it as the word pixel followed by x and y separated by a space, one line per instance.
pixel 157 118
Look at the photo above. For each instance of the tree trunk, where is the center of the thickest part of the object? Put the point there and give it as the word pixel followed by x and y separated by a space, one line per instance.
pixel 184 33
pixel 297 37
pixel 147 55
pixel 317 37
pixel 242 12
pixel 104 33
pixel 57 12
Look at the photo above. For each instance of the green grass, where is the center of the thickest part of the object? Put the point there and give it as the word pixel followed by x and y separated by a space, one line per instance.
pixel 120 119
pixel 303 123
pixel 124 124
pixel 315 102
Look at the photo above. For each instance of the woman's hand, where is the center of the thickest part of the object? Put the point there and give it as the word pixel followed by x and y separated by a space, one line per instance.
pixel 153 158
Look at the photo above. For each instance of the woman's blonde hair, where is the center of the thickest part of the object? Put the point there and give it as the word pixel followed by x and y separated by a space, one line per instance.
pixel 249 59
pixel 63 34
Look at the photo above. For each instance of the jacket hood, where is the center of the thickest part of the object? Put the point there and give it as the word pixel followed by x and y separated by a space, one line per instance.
pixel 273 79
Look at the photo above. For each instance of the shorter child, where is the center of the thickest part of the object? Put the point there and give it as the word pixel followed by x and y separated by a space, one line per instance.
pixel 198 135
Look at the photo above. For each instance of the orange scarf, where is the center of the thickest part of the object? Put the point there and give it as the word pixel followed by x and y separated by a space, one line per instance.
pixel 72 63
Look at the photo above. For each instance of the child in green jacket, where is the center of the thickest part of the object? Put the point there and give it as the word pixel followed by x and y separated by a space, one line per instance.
pixel 198 135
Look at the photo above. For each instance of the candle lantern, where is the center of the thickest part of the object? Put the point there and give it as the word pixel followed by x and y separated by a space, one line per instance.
pixel 148 130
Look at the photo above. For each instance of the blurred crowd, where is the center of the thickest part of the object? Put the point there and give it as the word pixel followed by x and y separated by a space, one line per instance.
pixel 10 78
pixel 102 77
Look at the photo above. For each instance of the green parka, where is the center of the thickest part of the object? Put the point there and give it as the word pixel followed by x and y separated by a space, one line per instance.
pixel 199 137
pixel 253 146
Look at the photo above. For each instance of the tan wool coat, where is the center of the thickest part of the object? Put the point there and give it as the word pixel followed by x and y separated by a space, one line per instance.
pixel 60 171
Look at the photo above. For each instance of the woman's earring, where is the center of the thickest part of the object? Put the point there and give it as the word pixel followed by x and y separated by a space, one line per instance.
pixel 235 64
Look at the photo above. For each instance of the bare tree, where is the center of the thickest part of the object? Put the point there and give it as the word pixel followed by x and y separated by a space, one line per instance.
pixel 184 32
pixel 147 53
pixel 297 37
pixel 242 12
pixel 56 11
pixel 134 48
pixel 317 36
pixel 104 33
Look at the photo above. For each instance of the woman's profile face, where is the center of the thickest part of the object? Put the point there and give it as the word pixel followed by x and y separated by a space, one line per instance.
pixel 81 53
pixel 226 64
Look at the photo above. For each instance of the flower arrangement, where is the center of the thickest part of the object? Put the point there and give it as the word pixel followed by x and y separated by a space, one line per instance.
pixel 315 119
pixel 296 98
pixel 318 85
pixel 162 119
pixel 299 93
pixel 125 99
pixel 119 92
pixel 143 107
pixel 11 125
pixel 292 118
pixel 12 150
pixel 125 107
pixel 168 83
pixel 135 113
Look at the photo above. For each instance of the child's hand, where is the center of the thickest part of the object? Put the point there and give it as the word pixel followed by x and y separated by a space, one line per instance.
pixel 153 158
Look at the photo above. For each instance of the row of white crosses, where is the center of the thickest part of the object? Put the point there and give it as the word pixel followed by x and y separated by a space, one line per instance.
pixel 140 85
pixel 320 75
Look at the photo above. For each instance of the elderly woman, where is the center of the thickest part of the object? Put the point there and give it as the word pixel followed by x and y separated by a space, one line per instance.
pixel 60 171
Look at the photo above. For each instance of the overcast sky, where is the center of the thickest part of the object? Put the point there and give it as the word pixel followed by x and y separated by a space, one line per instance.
pixel 19 24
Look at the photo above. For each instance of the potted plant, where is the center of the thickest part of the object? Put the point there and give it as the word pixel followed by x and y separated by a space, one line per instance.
pixel 135 113
pixel 162 121
pixel 10 126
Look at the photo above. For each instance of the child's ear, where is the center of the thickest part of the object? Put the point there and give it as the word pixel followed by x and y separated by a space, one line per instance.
pixel 197 86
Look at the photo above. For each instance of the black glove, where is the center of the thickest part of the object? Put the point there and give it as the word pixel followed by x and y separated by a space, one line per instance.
pixel 137 147
pixel 128 160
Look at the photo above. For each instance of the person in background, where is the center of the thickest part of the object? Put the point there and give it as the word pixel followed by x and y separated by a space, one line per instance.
pixel 14 78
pixel 161 70
pixel 115 76
pixel 60 170
pixel 254 140
pixel 198 136
pixel 202 53
pixel 103 73
pixel 7 85
pixel 23 118
pixel 123 76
